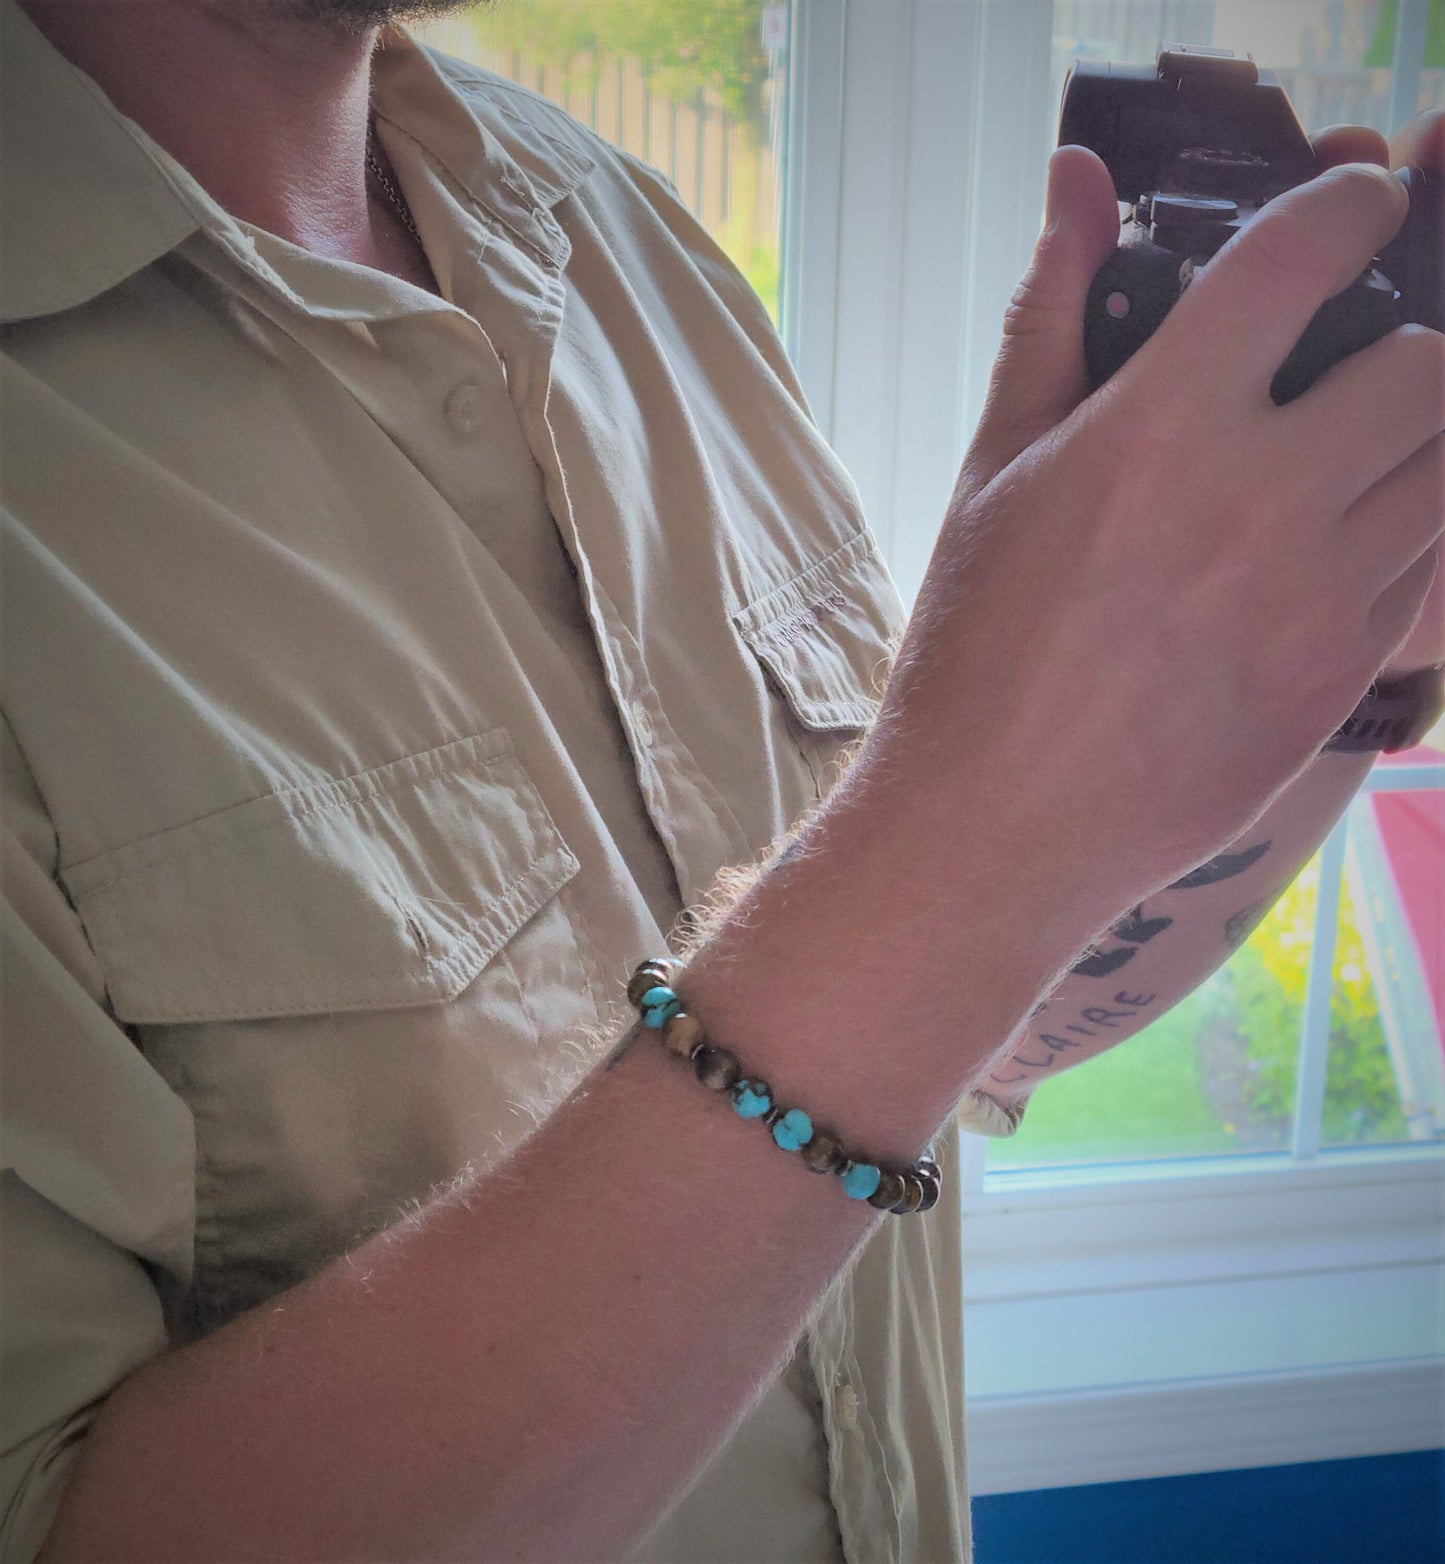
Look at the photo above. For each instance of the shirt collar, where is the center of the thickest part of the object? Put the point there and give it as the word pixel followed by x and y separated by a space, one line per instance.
pixel 83 202
pixel 87 198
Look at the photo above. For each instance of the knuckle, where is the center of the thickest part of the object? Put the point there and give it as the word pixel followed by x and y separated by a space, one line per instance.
pixel 1368 186
pixel 1320 233
pixel 1281 247
pixel 1034 308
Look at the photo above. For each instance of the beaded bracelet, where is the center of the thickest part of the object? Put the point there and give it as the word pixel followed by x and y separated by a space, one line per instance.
pixel 899 1190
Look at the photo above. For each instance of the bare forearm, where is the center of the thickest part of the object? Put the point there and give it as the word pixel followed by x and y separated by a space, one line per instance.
pixel 1164 948
pixel 534 1366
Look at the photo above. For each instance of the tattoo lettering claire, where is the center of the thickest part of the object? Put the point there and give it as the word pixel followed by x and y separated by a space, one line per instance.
pixel 1136 930
pixel 1092 1021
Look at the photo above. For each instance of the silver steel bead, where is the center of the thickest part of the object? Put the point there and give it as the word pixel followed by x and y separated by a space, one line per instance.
pixel 932 1188
pixel 912 1197
pixel 889 1192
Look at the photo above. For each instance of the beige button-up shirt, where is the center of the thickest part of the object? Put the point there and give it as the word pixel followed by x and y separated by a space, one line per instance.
pixel 382 675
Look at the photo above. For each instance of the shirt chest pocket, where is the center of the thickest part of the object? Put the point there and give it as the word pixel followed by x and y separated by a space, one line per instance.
pixel 358 987
pixel 387 889
pixel 825 641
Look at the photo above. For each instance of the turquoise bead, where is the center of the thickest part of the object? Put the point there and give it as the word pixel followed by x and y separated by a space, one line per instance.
pixel 658 1006
pixel 860 1179
pixel 751 1099
pixel 794 1130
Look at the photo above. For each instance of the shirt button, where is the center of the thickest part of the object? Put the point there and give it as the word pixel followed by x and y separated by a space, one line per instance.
pixel 465 407
pixel 845 1406
pixel 642 724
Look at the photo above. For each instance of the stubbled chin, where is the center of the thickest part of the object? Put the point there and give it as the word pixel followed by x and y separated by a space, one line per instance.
pixel 359 16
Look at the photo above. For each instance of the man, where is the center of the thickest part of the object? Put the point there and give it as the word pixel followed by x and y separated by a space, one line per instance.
pixel 423 579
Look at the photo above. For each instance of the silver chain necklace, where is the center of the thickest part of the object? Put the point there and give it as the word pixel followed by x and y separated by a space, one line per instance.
pixel 394 196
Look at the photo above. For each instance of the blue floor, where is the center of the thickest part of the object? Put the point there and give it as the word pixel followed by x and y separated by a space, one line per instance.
pixel 1387 1509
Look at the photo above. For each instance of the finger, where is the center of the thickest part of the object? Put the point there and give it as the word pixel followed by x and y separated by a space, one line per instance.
pixel 1249 306
pixel 1397 610
pixel 1040 377
pixel 1365 416
pixel 1349 144
pixel 1424 645
pixel 1420 142
pixel 1397 520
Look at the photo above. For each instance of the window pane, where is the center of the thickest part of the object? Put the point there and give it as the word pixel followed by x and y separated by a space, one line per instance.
pixel 697 91
pixel 1218 1074
pixel 1386 1075
pixel 1214 1075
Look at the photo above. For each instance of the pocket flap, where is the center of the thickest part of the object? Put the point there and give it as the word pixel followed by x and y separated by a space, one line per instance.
pixel 389 888
pixel 826 637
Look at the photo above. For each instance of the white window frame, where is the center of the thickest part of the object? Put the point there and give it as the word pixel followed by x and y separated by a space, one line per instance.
pixel 1132 1320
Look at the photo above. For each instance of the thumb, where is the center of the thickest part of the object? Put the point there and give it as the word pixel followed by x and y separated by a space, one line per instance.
pixel 1039 376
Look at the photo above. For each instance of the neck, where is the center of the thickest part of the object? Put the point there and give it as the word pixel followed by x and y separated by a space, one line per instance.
pixel 268 111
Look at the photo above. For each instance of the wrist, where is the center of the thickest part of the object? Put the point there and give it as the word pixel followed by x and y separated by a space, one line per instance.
pixel 878 973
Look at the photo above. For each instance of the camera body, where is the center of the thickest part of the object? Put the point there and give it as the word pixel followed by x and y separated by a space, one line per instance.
pixel 1197 144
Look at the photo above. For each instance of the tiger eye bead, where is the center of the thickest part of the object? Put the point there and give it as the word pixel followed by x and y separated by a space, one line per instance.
pixel 889 1191
pixel 912 1198
pixel 648 975
pixel 681 1035
pixel 823 1154
pixel 716 1068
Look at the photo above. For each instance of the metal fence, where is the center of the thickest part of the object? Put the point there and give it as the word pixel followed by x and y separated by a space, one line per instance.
pixel 727 174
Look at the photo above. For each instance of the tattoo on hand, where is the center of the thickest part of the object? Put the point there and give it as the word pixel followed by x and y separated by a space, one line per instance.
pixel 1225 867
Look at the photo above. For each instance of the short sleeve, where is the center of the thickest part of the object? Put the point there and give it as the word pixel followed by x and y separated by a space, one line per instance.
pixel 96 1182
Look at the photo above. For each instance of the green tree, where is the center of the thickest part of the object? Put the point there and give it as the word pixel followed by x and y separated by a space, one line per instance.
pixel 1381 53
pixel 684 46
pixel 1261 996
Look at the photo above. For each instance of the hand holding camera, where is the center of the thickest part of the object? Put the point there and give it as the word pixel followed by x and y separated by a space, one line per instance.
pixel 1177 583
pixel 1197 146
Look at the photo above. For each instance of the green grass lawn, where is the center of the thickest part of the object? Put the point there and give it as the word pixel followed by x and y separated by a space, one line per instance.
pixel 1142 1099
pixel 1217 1073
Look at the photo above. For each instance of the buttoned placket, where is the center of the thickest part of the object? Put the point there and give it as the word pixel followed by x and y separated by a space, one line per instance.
pixel 524 310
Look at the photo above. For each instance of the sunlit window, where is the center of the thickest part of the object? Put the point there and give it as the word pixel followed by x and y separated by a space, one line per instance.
pixel 1289 1048
pixel 695 90
pixel 1324 1031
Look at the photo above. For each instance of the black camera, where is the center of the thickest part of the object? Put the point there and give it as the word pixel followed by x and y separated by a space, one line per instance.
pixel 1196 145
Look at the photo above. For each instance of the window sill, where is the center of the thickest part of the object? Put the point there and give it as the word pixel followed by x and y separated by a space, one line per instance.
pixel 1153 1321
